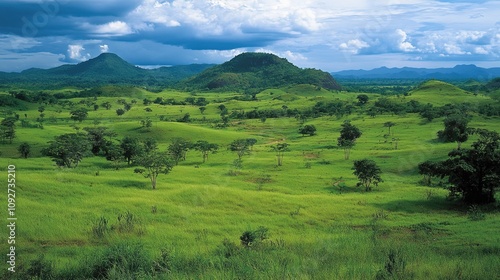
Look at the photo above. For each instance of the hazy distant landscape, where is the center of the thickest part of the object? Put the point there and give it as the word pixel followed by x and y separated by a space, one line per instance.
pixel 251 169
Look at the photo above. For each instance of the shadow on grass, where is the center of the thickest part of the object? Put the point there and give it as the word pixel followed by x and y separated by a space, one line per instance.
pixel 419 206
pixel 343 189
pixel 143 185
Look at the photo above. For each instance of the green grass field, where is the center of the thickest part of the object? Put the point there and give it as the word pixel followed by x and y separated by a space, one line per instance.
pixel 317 229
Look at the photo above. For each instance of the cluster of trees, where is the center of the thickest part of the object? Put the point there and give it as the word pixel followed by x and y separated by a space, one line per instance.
pixel 472 174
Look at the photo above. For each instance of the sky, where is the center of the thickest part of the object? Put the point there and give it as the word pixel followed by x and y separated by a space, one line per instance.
pixel 324 34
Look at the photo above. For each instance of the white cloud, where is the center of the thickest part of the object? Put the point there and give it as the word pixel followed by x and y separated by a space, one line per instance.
pixel 104 48
pixel 114 28
pixel 403 44
pixel 453 49
pixel 75 53
pixel 353 46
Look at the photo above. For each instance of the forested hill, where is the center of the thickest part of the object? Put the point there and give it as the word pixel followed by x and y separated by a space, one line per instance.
pixel 257 71
pixel 107 68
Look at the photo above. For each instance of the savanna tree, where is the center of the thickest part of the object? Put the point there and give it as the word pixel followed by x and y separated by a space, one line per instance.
pixel 241 147
pixel 348 136
pixel 205 148
pixel 178 149
pixel 68 150
pixel 455 129
pixel 24 149
pixel 153 164
pixel 280 150
pixel 368 173
pixel 131 147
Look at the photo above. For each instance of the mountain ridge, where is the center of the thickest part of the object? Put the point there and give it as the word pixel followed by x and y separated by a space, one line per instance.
pixel 458 72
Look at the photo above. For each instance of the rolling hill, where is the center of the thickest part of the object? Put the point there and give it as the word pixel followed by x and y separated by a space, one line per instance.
pixel 257 71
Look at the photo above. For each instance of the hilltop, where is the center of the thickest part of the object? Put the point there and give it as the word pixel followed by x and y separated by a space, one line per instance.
pixel 257 71
pixel 107 68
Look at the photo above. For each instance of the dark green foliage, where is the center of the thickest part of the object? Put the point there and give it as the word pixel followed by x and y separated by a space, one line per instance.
pixel 362 99
pixel 24 149
pixel 308 129
pixel 185 119
pixel 205 148
pixel 251 238
pixel 106 105
pixel 368 173
pixel 79 114
pixel 97 136
pixel 348 136
pixel 241 147
pixel 68 149
pixel 474 174
pixel 131 148
pixel 455 130
pixel 120 111
pixel 150 145
pixel 178 149
pixel 429 169
pixel 253 72
pixel 154 164
pixel 8 129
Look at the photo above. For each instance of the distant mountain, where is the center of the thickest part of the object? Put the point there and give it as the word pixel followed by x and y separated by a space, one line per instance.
pixel 107 68
pixel 257 71
pixel 459 72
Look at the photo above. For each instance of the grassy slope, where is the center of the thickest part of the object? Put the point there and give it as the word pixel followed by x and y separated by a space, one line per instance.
pixel 334 233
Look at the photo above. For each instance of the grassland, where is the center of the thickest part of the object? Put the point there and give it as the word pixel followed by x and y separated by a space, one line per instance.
pixel 321 226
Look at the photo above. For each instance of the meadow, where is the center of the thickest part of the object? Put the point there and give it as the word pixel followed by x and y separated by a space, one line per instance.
pixel 315 222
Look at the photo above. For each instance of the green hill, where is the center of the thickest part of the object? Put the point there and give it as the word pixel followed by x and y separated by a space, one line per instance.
pixel 441 93
pixel 257 71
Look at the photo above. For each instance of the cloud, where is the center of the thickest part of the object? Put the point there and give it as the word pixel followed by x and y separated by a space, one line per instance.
pixel 114 28
pixel 104 48
pixel 75 53
pixel 353 46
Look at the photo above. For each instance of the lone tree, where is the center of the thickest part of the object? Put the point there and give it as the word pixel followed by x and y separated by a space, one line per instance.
pixel 251 142
pixel 120 111
pixel 362 99
pixel 24 149
pixel 205 148
pixel 455 130
pixel 389 125
pixel 106 105
pixel 348 136
pixel 79 114
pixel 474 174
pixel 241 147
pixel 367 172
pixel 280 150
pixel 68 149
pixel 131 147
pixel 178 149
pixel 154 164
pixel 308 129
